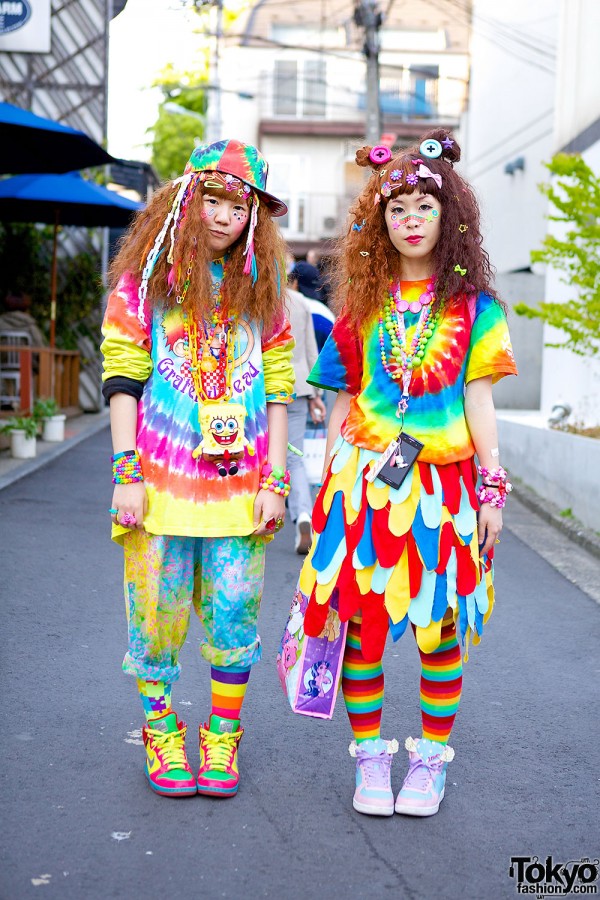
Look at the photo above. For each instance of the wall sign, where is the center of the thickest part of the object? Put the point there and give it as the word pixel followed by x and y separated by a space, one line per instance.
pixel 25 26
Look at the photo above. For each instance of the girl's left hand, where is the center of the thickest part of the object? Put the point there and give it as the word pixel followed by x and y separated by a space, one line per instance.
pixel 489 526
pixel 269 509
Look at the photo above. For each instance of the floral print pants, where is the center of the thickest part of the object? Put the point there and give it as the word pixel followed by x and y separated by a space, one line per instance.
pixel 164 576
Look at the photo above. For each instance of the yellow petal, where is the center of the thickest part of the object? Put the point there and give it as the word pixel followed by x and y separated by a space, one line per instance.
pixel 397 592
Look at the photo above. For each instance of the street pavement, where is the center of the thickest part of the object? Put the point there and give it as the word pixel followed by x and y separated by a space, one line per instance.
pixel 80 823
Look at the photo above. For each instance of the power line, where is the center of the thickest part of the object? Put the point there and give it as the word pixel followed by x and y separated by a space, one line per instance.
pixel 509 137
pixel 516 150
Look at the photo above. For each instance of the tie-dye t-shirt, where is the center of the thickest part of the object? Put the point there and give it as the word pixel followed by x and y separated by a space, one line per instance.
pixel 187 496
pixel 467 343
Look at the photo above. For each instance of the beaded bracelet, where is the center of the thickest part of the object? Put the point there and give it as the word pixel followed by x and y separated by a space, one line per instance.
pixel 276 479
pixel 127 468
pixel 495 489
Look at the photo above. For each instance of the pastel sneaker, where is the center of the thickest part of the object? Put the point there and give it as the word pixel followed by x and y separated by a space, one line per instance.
pixel 219 740
pixel 423 788
pixel 373 795
pixel 167 768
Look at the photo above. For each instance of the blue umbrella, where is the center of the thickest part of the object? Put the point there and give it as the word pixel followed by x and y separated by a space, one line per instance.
pixel 30 143
pixel 62 200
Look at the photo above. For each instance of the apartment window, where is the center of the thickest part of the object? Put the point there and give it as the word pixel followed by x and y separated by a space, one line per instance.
pixel 285 88
pixel 314 88
pixel 299 88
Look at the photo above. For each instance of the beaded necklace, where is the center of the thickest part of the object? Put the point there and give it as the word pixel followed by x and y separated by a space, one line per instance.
pixel 403 360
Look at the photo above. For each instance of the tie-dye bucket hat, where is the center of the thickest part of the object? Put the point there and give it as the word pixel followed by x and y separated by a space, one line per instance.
pixel 243 161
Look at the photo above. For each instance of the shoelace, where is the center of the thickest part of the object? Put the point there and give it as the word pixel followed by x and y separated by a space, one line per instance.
pixel 376 767
pixel 218 749
pixel 172 747
pixel 420 774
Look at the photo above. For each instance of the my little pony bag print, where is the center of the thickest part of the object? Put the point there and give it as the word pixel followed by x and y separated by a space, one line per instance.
pixel 310 668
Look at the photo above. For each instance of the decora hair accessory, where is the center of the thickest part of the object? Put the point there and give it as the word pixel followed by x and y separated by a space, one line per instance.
pixel 380 155
pixel 431 148
pixel 424 172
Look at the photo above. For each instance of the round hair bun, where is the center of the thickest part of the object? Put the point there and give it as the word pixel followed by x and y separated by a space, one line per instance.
pixel 363 157
pixel 450 147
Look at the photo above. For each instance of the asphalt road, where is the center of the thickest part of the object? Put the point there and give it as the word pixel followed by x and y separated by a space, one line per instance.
pixel 80 823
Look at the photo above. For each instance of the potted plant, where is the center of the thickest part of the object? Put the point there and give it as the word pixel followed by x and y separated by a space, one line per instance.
pixel 47 411
pixel 22 431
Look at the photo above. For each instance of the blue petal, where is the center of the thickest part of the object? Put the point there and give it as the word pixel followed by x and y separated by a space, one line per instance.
pixel 431 504
pixel 419 610
pixel 427 540
pixel 366 548
pixel 333 533
pixel 399 628
pixel 440 598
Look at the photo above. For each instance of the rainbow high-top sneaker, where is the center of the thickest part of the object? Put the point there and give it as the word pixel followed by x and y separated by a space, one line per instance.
pixel 424 786
pixel 218 775
pixel 167 768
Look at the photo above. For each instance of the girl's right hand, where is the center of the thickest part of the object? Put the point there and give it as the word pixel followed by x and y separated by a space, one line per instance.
pixel 132 500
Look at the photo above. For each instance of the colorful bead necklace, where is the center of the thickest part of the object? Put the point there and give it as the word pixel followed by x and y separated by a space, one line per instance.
pixel 404 359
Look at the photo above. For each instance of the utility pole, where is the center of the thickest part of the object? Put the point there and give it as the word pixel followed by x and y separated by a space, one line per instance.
pixel 367 16
pixel 214 125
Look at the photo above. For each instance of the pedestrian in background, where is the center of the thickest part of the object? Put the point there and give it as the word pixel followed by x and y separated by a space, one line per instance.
pixel 308 281
pixel 401 541
pixel 197 369
pixel 307 402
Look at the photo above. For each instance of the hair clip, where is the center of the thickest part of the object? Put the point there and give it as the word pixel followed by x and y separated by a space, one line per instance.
pixel 376 198
pixel 380 155
pixel 412 178
pixel 364 253
pixel 395 175
pixel 462 228
pixel 416 162
pixel 386 189
pixel 460 271
pixel 447 143
pixel 431 148
pixel 356 227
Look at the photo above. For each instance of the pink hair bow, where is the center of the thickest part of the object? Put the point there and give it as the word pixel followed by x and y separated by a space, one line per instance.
pixel 424 172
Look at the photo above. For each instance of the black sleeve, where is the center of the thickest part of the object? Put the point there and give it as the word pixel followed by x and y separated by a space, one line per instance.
pixel 120 384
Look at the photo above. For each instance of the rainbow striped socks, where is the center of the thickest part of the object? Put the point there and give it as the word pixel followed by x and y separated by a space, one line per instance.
pixel 228 689
pixel 362 686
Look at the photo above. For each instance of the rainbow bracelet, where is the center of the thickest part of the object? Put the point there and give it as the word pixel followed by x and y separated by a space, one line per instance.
pixel 276 479
pixel 127 468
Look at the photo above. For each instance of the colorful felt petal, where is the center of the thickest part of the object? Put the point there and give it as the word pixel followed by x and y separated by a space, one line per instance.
pixel 397 593
pixel 428 638
pixel 427 540
pixel 421 606
pixel 397 629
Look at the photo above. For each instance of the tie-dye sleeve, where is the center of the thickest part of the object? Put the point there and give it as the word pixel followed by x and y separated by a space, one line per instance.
pixel 126 346
pixel 490 350
pixel 277 347
pixel 339 366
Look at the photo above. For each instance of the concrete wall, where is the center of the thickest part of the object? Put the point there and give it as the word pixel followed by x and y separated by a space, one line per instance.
pixel 524 391
pixel 511 115
pixel 558 466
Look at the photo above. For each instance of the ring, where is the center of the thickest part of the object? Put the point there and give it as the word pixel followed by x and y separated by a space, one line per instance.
pixel 113 512
pixel 279 524
pixel 128 520
pixel 271 524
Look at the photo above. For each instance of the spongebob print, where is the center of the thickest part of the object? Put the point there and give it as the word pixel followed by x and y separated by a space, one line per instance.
pixel 223 441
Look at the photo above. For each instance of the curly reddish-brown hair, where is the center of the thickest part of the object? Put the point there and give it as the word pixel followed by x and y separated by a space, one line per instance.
pixel 261 301
pixel 361 281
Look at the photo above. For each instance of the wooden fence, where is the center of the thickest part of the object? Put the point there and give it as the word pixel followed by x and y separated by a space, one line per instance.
pixel 46 372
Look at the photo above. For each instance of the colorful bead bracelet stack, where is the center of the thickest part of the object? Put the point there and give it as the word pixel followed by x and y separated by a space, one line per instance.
pixel 276 479
pixel 495 486
pixel 127 468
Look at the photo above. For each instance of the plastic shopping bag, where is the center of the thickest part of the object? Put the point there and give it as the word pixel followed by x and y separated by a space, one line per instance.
pixel 310 668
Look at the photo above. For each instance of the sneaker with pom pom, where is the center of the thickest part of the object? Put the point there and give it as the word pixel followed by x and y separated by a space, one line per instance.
pixel 373 795
pixel 424 786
